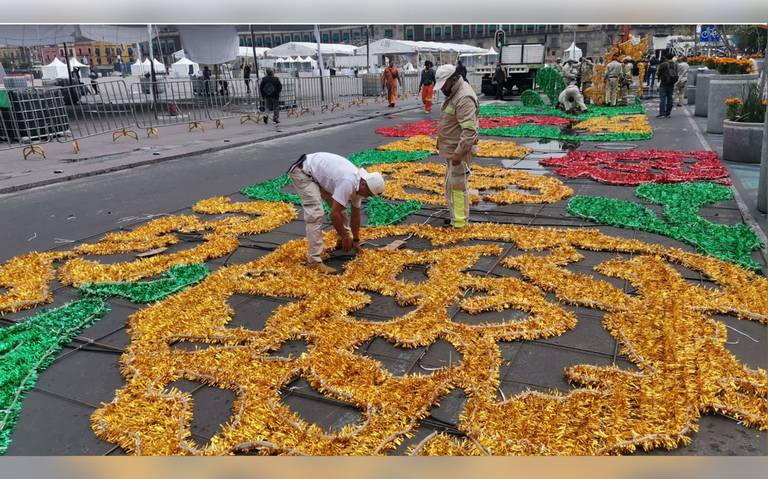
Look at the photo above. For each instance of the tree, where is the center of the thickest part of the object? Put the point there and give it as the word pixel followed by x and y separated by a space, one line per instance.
pixel 749 38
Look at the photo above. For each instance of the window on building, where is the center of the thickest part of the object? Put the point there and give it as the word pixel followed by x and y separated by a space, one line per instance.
pixel 465 30
pixel 98 52
pixel 448 32
pixel 479 29
pixel 438 32
pixel 356 35
pixel 388 33
pixel 242 41
pixel 505 28
pixel 286 39
pixel 519 28
pixel 89 51
pixel 428 33
pixel 267 41
pixel 542 28
pixel 492 28
pixel 61 52
pixel 71 53
pixel 79 51
pixel 326 38
pixel 346 37
pixel 259 42
pixel 248 42
pixel 98 60
pixel 296 37
pixel 554 28
pixel 530 28
pixel 306 38
pixel 120 51
pixel 278 41
pixel 336 37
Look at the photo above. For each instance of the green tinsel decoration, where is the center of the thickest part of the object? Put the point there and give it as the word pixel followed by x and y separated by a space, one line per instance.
pixel 531 98
pixel 382 213
pixel 555 133
pixel 373 157
pixel 28 348
pixel 551 83
pixel 271 190
pixel 592 111
pixel 681 220
pixel 175 279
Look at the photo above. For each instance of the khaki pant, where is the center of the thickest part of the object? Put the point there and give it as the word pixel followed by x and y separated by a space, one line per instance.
pixel 611 91
pixel 679 92
pixel 456 192
pixel 312 203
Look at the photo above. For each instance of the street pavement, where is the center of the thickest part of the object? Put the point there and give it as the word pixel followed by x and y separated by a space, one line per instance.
pixel 56 415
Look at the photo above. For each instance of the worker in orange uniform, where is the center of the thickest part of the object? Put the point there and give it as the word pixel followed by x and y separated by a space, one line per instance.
pixel 427 86
pixel 390 78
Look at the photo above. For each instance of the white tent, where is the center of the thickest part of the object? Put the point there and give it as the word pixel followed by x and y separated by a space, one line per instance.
pixel 137 69
pixel 247 52
pixel 388 46
pixel 180 69
pixel 159 67
pixel 572 53
pixel 84 71
pixel 310 49
pixel 55 69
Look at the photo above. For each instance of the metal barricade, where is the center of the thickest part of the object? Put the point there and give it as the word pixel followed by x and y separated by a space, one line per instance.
pixel 96 109
pixel 171 102
pixel 233 98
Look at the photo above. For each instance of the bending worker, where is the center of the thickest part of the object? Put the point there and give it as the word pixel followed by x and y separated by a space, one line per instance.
pixel 334 179
pixel 456 139
pixel 572 100
pixel 613 73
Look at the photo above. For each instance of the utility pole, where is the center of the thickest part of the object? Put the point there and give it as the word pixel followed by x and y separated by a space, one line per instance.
pixel 255 59
pixel 320 63
pixel 153 77
pixel 69 69
pixel 762 187
pixel 368 46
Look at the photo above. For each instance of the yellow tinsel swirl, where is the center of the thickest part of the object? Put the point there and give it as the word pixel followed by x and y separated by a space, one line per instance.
pixel 616 124
pixel 485 148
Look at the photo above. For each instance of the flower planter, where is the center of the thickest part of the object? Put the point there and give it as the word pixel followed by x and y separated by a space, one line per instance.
pixel 693 72
pixel 702 91
pixel 742 142
pixel 690 94
pixel 719 91
pixel 703 87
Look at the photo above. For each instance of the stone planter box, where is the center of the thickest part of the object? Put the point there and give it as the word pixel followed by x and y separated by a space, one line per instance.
pixel 690 94
pixel 693 72
pixel 742 142
pixel 702 88
pixel 719 90
pixel 702 91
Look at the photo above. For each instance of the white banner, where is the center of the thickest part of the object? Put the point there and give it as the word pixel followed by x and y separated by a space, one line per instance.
pixel 210 44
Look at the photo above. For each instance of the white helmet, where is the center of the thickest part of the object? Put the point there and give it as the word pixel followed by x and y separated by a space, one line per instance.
pixel 374 180
pixel 443 73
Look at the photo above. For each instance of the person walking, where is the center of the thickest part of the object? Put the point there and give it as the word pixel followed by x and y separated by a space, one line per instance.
pixel 500 78
pixel 569 72
pixel 328 177
pixel 427 86
pixel 682 80
pixel 461 70
pixel 247 78
pixel 612 75
pixel 667 72
pixel 270 89
pixel 390 78
pixel 94 83
pixel 457 139
pixel 650 76
pixel 207 80
pixel 626 80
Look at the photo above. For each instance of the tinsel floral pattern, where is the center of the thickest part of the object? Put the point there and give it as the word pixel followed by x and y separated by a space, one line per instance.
pixel 641 166
pixel 681 220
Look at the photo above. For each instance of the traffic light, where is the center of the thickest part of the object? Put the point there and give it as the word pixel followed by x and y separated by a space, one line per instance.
pixel 499 39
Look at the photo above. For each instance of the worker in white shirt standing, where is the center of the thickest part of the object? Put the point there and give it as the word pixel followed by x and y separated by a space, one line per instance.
pixel 334 179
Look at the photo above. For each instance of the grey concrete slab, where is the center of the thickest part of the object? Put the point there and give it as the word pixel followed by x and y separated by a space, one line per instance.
pixel 720 436
pixel 382 308
pixel 116 319
pixel 293 348
pixel 449 409
pixel 313 407
pixel 589 335
pixel 253 314
pixel 212 408
pixel 747 341
pixel 52 426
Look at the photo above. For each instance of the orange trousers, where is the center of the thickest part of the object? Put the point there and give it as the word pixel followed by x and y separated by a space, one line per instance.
pixel 426 96
pixel 392 92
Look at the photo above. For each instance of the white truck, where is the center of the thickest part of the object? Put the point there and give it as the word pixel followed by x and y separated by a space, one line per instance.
pixel 520 62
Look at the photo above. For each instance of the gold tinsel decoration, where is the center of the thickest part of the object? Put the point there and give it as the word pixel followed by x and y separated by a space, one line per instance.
pixel 616 124
pixel 485 148
pixel 667 329
pixel 491 181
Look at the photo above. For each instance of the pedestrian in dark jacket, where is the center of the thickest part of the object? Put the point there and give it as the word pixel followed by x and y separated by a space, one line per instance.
pixel 270 88
pixel 667 73
pixel 461 70
pixel 247 78
pixel 499 77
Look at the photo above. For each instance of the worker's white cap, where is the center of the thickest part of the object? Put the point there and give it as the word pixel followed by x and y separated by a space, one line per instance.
pixel 443 73
pixel 375 181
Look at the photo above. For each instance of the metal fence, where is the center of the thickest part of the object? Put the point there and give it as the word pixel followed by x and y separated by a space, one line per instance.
pixel 32 117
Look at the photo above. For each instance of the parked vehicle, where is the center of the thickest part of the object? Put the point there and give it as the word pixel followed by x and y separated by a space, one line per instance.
pixel 520 63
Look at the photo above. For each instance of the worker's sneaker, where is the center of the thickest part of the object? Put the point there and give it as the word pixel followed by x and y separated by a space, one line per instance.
pixel 321 268
pixel 266 119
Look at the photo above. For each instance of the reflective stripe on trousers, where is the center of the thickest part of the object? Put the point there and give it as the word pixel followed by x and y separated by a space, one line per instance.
pixel 456 193
pixel 312 204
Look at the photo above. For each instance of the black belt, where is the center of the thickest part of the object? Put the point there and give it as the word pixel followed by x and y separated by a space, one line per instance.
pixel 298 163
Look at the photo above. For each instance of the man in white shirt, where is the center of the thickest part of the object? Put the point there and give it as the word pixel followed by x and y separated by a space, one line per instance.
pixel 334 179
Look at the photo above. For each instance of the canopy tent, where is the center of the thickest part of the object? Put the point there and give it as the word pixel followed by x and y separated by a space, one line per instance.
pixel 487 53
pixel 181 69
pixel 137 68
pixel 247 52
pixel 43 35
pixel 388 46
pixel 210 44
pixel 55 69
pixel 310 49
pixel 572 53
pixel 159 67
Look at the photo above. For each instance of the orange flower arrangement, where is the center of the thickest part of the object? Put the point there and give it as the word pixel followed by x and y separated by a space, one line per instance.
pixel 733 101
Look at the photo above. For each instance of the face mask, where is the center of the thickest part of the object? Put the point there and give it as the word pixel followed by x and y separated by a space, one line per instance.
pixel 446 89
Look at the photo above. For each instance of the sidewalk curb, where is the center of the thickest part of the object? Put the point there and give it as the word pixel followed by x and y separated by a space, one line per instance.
pixel 212 149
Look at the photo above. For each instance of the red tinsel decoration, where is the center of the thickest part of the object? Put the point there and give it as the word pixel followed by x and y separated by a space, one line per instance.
pixel 422 127
pixel 512 121
pixel 641 166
